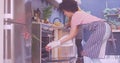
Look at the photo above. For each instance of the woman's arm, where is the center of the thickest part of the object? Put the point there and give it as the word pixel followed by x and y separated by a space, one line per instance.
pixel 72 34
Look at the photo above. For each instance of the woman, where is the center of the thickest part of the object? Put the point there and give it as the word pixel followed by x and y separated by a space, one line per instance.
pixel 97 30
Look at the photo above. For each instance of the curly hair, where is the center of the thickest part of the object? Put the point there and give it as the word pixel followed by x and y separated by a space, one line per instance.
pixel 69 5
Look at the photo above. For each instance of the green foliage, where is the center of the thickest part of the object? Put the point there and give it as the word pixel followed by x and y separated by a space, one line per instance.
pixel 47 12
pixel 112 15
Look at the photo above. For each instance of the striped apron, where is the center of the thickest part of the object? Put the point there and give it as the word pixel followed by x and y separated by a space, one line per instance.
pixel 95 35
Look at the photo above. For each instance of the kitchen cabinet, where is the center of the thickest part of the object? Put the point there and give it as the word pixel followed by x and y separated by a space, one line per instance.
pixel 41 36
pixel 113 45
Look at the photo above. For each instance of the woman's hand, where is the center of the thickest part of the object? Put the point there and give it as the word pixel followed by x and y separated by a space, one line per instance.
pixel 52 45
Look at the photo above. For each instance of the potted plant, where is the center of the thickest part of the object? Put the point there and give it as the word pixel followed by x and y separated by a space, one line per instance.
pixel 47 13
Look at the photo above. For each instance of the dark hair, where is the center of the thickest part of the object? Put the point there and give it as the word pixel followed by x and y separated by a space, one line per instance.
pixel 69 5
